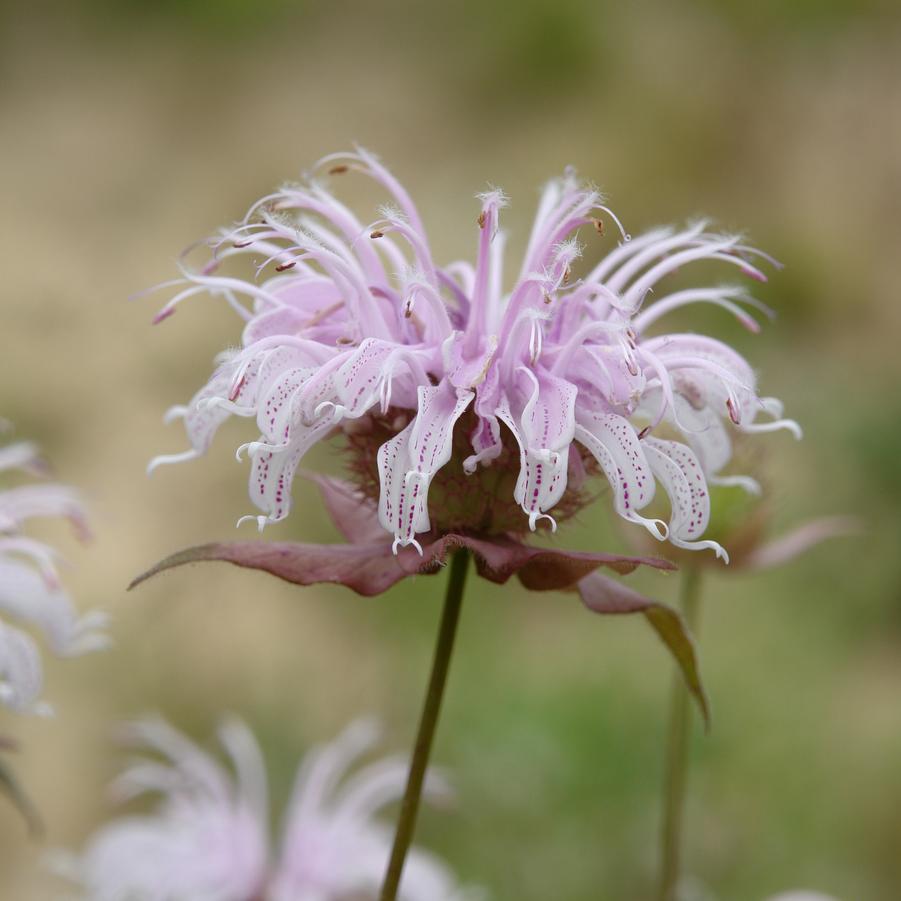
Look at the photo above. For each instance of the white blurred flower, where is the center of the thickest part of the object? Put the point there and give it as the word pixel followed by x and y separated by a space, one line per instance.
pixel 30 590
pixel 209 840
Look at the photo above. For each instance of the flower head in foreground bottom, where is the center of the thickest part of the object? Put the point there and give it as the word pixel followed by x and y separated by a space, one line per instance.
pixel 209 837
pixel 30 589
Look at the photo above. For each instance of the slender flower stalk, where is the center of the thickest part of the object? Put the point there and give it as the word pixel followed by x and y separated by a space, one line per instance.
pixel 743 526
pixel 678 743
pixel 406 824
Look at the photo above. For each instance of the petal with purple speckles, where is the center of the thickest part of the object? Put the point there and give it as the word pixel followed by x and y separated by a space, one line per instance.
pixel 408 462
pixel 680 474
pixel 613 442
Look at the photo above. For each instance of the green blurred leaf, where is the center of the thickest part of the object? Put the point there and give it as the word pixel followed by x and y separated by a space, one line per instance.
pixel 607 596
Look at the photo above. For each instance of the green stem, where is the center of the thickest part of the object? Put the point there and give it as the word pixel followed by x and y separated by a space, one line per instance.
pixel 677 752
pixel 447 631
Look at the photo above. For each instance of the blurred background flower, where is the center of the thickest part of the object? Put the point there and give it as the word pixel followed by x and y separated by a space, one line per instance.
pixel 31 593
pixel 32 597
pixel 209 835
pixel 132 127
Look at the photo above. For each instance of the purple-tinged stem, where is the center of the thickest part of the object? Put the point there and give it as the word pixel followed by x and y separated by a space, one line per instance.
pixel 444 647
pixel 677 753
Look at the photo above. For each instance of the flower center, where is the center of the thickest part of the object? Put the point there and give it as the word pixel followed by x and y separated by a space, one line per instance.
pixel 481 503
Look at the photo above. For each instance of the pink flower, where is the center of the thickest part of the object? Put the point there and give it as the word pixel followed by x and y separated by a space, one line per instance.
pixel 30 589
pixel 208 839
pixel 442 381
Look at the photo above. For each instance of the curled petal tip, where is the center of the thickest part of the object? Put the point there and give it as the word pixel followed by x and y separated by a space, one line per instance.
pixel 657 527
pixel 173 413
pixel 251 448
pixel 775 425
pixel 261 521
pixel 705 545
pixel 751 486
pixel 166 459
pixel 404 542
pixel 748 484
pixel 535 517
pixel 337 409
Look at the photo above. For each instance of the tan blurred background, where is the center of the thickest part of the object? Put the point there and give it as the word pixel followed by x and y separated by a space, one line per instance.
pixel 129 129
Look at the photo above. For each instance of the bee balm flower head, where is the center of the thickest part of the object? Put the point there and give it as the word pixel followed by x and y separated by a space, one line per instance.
pixel 468 405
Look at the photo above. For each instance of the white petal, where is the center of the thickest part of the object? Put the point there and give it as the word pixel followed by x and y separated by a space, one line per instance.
pixel 408 462
pixel 614 444
pixel 21 675
pixel 680 473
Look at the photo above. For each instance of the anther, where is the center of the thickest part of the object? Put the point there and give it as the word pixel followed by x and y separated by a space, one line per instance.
pixel 598 226
pixel 566 275
pixel 338 170
pixel 481 220
pixel 343 341
pixel 283 267
pixel 733 411
pixel 644 432
pixel 547 298
pixel 236 388
pixel 239 244
pixel 376 234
